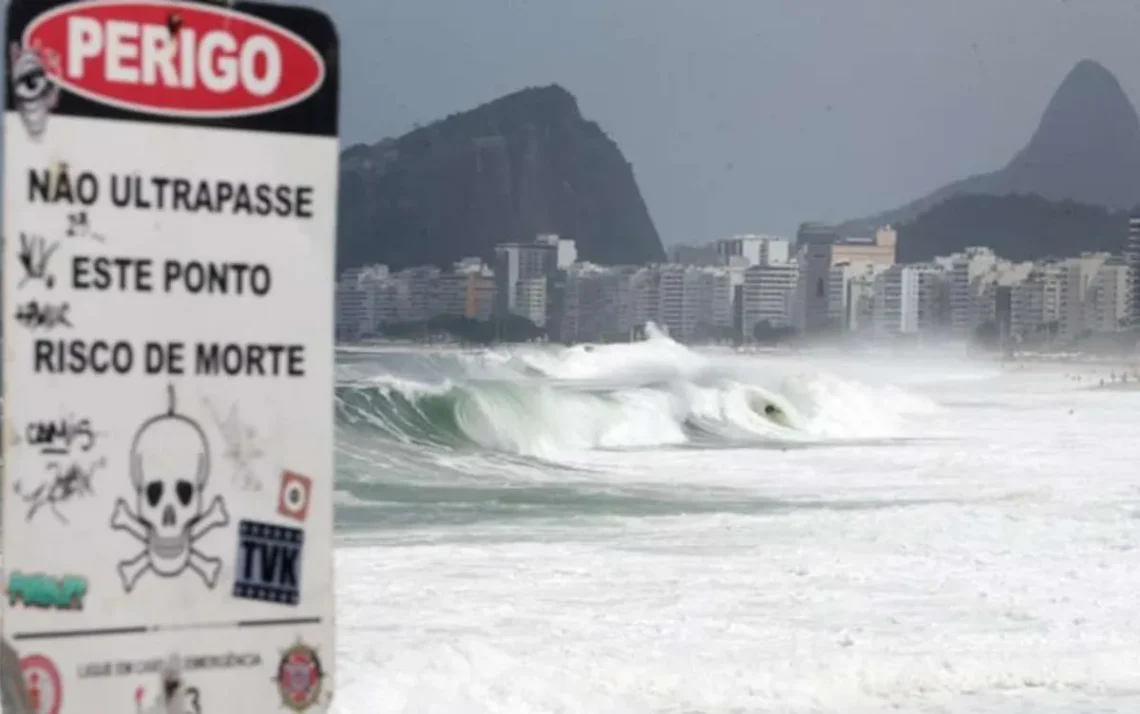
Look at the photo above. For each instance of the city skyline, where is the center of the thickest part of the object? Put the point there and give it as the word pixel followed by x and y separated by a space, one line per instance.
pixel 820 283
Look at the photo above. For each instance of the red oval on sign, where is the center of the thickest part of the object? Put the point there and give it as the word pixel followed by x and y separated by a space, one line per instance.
pixel 174 58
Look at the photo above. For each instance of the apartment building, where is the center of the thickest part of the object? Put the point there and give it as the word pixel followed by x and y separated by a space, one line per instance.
pixel 356 301
pixel 1132 259
pixel 769 295
pixel 852 294
pixel 1107 306
pixel 754 249
pixel 760 279
pixel 910 299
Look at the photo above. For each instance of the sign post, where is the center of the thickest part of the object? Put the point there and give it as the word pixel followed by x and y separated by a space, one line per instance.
pixel 169 218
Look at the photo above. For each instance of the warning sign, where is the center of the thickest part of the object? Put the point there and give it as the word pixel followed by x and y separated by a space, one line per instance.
pixel 170 193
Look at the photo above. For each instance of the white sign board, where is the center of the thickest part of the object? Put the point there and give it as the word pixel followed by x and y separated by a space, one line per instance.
pixel 170 196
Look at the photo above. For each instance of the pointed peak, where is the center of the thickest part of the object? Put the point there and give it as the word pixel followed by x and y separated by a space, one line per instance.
pixel 1090 77
pixel 1089 68
pixel 1086 148
pixel 1089 114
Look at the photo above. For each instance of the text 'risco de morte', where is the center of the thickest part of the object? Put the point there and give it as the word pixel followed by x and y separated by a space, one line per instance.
pixel 211 359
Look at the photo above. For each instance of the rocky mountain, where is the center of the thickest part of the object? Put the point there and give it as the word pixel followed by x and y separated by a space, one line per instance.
pixel 1017 227
pixel 524 164
pixel 1086 149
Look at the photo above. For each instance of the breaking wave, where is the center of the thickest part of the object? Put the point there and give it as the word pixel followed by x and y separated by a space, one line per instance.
pixel 545 402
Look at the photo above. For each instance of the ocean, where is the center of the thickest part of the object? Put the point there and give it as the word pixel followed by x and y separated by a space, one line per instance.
pixel 623 529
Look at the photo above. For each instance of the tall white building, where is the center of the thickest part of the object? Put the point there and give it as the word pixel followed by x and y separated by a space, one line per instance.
pixel 1132 258
pixel 1068 299
pixel 851 295
pixel 986 288
pixel 515 262
pixel 910 299
pixel 467 291
pixel 531 299
pixel 645 295
pixel 754 249
pixel 688 301
pixel 1078 276
pixel 768 295
pixel 714 308
pixel 415 293
pixel 1108 307
pixel 565 249
pixel 599 303
pixel 814 244
pixel 969 272
pixel 519 265
pixel 680 299
pixel 370 297
pixel 357 300
pixel 1037 303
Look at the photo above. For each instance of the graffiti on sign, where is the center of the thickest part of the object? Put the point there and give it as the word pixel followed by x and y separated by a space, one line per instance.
pixel 58 437
pixel 34 91
pixel 47 592
pixel 35 258
pixel 75 480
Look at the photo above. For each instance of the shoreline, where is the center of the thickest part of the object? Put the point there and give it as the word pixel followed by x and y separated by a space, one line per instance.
pixel 1133 385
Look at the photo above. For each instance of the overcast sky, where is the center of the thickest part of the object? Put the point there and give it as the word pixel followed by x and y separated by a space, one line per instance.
pixel 747 115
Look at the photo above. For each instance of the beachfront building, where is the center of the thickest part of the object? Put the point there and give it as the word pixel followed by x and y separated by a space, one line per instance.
pixel 1107 307
pixel 909 300
pixel 357 301
pixel 753 249
pixel 1132 258
pixel 768 295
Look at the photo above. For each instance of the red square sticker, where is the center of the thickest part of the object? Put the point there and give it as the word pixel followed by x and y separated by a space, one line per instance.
pixel 293 499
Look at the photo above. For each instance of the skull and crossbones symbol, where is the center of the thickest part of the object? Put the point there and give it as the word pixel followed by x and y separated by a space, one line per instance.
pixel 34 92
pixel 169 469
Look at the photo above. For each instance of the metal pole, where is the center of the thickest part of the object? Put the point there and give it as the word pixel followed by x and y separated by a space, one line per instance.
pixel 13 696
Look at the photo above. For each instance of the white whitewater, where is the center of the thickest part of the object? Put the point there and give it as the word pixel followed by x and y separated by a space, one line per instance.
pixel 618 529
pixel 552 402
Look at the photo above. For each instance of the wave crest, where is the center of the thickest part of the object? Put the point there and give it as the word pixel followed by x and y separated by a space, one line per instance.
pixel 546 401
pixel 533 418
